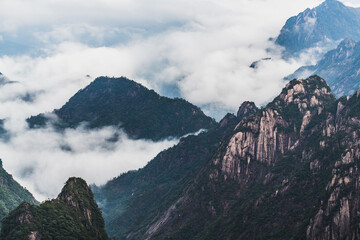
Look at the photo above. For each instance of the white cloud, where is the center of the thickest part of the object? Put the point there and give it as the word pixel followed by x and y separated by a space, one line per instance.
pixel 352 3
pixel 203 47
pixel 40 159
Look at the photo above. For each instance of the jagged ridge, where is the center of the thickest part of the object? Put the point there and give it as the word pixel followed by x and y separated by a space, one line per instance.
pixel 276 177
pixel 132 201
pixel 141 112
pixel 313 27
pixel 339 67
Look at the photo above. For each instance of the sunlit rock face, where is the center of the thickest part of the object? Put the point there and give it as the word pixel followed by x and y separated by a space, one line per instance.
pixel 288 170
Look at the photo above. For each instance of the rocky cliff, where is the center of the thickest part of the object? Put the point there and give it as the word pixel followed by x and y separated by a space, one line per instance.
pixel 289 171
pixel 133 201
pixel 72 215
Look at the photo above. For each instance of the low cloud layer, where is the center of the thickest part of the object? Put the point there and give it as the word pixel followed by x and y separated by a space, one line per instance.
pixel 200 50
pixel 42 159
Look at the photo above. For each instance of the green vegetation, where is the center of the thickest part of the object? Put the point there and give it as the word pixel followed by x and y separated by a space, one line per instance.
pixel 259 200
pixel 141 112
pixel 133 200
pixel 73 215
pixel 11 193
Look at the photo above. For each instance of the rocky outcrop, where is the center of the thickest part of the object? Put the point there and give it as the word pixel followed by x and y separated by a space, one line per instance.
pixel 73 214
pixel 125 104
pixel 288 171
pixel 246 109
pixel 275 129
pixel 311 27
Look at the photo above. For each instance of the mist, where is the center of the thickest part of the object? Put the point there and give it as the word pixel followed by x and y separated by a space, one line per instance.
pixel 43 159
pixel 197 50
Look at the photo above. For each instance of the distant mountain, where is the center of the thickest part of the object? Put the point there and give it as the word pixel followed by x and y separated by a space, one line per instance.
pixel 141 112
pixel 340 68
pixel 11 193
pixel 72 215
pixel 288 171
pixel 132 201
pixel 330 21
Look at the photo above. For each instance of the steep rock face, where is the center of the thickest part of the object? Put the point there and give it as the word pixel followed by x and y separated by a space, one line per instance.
pixel 141 112
pixel 134 201
pixel 274 130
pixel 246 109
pixel 73 215
pixel 338 215
pixel 270 179
pixel 312 27
pixel 288 171
pixel 339 67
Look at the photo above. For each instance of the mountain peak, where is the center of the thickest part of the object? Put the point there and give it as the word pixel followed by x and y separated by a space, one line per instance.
pixel 74 190
pixel 77 195
pixel 74 213
pixel 323 25
pixel 313 89
pixel 246 109
pixel 332 4
pixel 123 103
pixel 225 121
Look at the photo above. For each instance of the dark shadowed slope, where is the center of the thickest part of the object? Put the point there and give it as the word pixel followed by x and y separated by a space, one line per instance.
pixel 135 200
pixel 141 112
pixel 289 171
pixel 330 21
pixel 72 215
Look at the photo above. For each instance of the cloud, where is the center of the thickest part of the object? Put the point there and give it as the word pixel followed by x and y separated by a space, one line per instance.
pixel 42 159
pixel 203 48
pixel 197 49
pixel 352 3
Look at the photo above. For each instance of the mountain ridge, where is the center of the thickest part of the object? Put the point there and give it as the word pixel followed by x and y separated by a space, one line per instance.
pixel 123 103
pixel 130 201
pixel 72 215
pixel 287 171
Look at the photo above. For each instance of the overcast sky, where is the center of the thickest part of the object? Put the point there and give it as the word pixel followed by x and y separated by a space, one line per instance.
pixel 196 49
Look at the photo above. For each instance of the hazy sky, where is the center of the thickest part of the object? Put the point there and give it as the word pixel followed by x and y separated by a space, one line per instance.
pixel 197 49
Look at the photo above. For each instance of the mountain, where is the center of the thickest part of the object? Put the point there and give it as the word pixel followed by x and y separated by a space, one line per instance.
pixel 132 201
pixel 288 171
pixel 11 193
pixel 141 112
pixel 339 67
pixel 330 21
pixel 72 215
